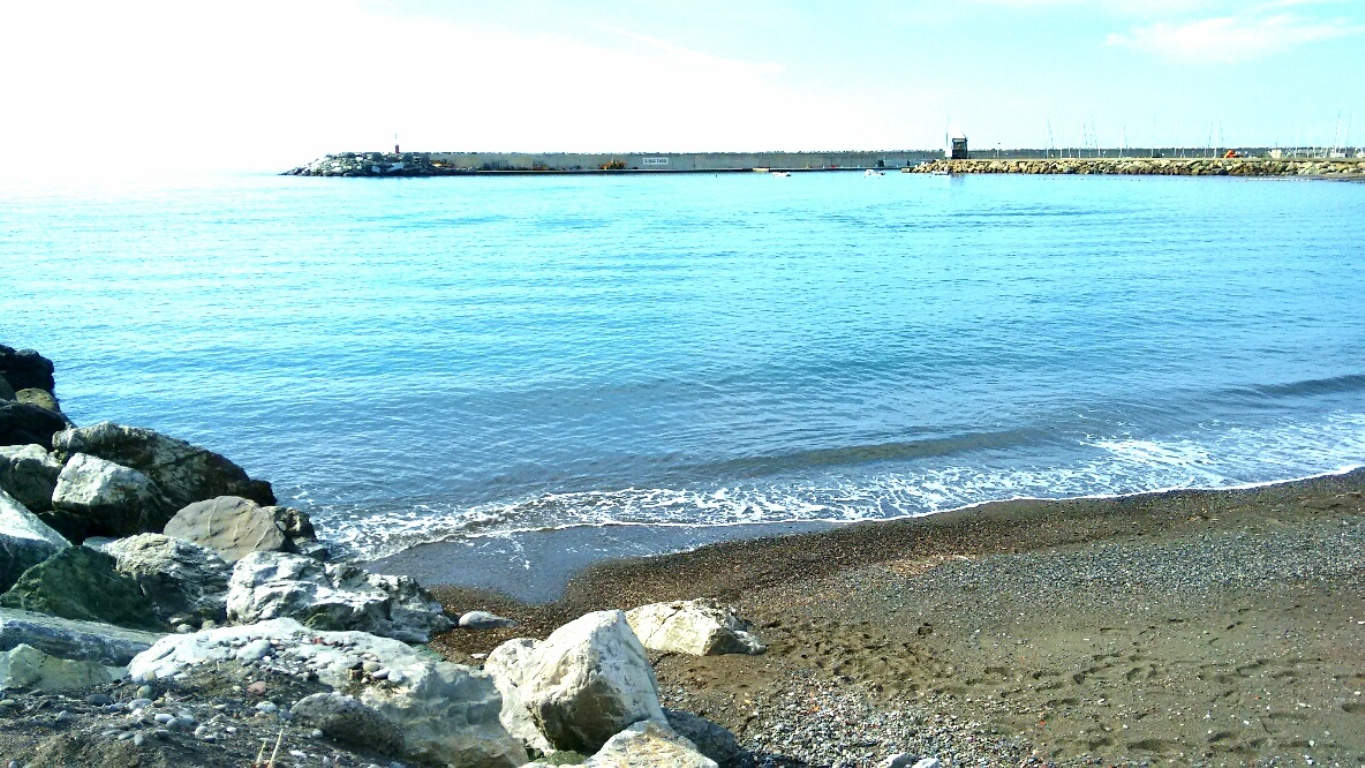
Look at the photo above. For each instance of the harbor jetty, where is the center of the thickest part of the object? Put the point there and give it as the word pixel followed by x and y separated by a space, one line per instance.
pixel 423 164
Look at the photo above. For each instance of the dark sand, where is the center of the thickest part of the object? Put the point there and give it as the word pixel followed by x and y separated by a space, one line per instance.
pixel 1181 628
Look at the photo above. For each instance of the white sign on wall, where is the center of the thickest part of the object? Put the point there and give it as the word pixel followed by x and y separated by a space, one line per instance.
pixel 654 161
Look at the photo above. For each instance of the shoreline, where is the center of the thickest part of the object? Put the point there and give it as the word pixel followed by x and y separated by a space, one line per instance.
pixel 490 562
pixel 1064 631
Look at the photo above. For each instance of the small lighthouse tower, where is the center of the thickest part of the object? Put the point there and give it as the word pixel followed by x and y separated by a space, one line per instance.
pixel 395 145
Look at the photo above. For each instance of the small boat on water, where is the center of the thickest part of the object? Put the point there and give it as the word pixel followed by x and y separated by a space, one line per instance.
pixel 940 172
pixel 873 172
pixel 781 174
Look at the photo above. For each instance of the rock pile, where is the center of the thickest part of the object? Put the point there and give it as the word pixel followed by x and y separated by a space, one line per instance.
pixel 1131 166
pixel 210 592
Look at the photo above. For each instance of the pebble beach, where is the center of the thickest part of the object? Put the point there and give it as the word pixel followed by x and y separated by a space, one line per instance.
pixel 1180 628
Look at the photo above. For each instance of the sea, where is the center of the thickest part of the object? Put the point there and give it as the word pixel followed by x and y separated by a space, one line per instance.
pixel 650 362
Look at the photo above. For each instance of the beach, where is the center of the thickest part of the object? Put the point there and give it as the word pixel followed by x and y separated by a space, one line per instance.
pixel 1184 628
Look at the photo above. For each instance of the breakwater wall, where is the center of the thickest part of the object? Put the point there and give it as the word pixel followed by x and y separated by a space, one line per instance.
pixel 463 163
pixel 1136 166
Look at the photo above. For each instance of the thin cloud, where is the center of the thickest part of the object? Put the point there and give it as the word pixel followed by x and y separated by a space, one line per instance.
pixel 1261 31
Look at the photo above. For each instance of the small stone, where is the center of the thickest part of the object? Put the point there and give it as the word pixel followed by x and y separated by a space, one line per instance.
pixel 257 688
pixel 138 739
pixel 267 707
pixel 183 629
pixel 99 699
pixel 161 733
pixel 63 716
pixel 316 734
pixel 163 718
pixel 8 703
pixel 145 692
pixel 370 666
pixel 201 732
pixel 395 676
pixel 380 674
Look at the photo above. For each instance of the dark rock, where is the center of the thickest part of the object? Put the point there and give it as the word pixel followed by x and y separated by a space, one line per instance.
pixel 117 500
pixel 39 397
pixel 25 541
pixel 71 526
pixel 82 584
pixel 294 523
pixel 26 368
pixel 346 720
pixel 184 473
pixel 29 474
pixel 6 391
pixel 22 424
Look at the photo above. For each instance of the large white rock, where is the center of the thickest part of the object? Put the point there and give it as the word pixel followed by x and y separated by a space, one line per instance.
pixel 27 668
pixel 29 474
pixel 649 745
pixel 509 664
pixel 117 500
pixel 184 472
pixel 25 540
pixel 588 681
pixel 231 526
pixel 271 585
pixel 180 578
pixel 443 712
pixel 696 627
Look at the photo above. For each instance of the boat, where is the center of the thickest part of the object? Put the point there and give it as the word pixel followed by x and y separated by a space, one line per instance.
pixel 781 174
pixel 940 172
pixel 873 172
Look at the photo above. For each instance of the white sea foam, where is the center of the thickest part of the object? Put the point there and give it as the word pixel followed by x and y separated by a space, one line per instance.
pixel 1213 457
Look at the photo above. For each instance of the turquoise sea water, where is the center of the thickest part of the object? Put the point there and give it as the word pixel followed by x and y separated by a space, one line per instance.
pixel 415 360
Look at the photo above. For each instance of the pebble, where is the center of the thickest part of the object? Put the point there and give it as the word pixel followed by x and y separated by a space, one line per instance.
pixel 370 666
pixel 268 707
pixel 316 733
pixel 183 629
pixel 163 718
pixel 257 688
pixel 380 674
pixel 395 676
pixel 139 703
pixel 99 699
pixel 254 650
pixel 145 692
pixel 138 739
pixel 8 703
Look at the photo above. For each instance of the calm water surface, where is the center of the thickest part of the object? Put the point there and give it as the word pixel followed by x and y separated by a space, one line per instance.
pixel 413 360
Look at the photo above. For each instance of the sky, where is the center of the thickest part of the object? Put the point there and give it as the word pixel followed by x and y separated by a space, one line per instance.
pixel 269 84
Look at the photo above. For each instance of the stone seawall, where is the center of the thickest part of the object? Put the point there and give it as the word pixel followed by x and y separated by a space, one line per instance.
pixel 1346 168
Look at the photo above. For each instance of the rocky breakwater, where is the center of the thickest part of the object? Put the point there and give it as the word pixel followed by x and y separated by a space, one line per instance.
pixel 1242 166
pixel 160 609
pixel 372 164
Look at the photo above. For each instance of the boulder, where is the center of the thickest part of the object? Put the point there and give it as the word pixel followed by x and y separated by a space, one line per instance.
pixel 39 397
pixel 29 474
pixel 25 541
pixel 185 473
pixel 68 639
pixel 117 500
pixel 272 585
pixel 588 681
pixel 484 620
pixel 696 627
pixel 26 368
pixel 344 719
pixel 6 391
pixel 231 526
pixel 81 583
pixel 710 739
pixel 179 578
pixel 509 664
pixel 442 712
pixel 27 668
pixel 21 424
pixel 294 524
pixel 649 744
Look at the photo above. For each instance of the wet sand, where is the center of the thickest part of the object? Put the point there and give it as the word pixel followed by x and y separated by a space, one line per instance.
pixel 1186 628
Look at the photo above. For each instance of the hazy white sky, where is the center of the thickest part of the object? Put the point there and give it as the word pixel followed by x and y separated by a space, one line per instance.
pixel 270 84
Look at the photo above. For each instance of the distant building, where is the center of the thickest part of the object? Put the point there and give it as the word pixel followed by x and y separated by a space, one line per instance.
pixel 957 147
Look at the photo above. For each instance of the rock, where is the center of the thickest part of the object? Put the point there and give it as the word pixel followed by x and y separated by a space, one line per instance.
pixel 21 424
pixel 82 584
pixel 29 474
pixel 293 523
pixel 509 664
pixel 346 720
pixel 6 391
pixel 271 585
pixel 25 541
pixel 26 368
pixel 484 620
pixel 180 578
pixel 28 668
pixel 696 627
pixel 71 526
pixel 185 473
pixel 117 500
pixel 588 681
pixel 649 744
pixel 710 739
pixel 443 712
pixel 67 639
pixel 39 397
pixel 231 526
